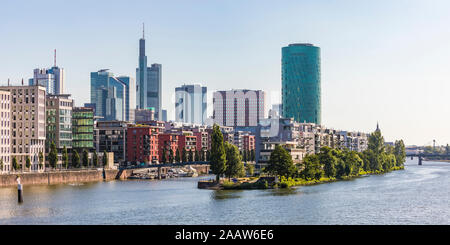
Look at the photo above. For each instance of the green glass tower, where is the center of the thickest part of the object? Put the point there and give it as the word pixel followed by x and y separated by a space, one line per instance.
pixel 301 83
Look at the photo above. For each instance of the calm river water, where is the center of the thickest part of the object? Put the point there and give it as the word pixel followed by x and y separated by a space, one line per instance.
pixel 416 195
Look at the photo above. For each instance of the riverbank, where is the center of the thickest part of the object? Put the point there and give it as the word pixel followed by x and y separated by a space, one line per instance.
pixel 58 177
pixel 263 183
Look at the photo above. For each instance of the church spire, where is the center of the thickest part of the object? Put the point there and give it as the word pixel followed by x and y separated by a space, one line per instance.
pixel 378 128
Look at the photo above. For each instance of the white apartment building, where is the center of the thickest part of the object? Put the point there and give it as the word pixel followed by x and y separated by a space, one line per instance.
pixel 5 131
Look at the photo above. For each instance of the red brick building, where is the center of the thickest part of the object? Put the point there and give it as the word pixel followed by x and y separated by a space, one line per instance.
pixel 142 144
pixel 248 142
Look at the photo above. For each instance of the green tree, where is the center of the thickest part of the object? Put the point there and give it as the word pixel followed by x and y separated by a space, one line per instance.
pixel 28 162
pixel 252 155
pixel 217 156
pixel 53 155
pixel 15 164
pixel 250 169
pixel 65 157
pixel 234 165
pixel 178 156
pixel 197 156
pixel 328 159
pixel 312 167
pixel 1 164
pixel 105 158
pixel 191 155
pixel 95 159
pixel 75 159
pixel 85 158
pixel 41 159
pixel 400 152
pixel 208 155
pixel 280 163
pixel 171 156
pixel 354 162
pixel 163 157
pixel 184 155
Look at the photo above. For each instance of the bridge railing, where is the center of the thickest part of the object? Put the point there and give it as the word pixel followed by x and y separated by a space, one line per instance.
pixel 179 164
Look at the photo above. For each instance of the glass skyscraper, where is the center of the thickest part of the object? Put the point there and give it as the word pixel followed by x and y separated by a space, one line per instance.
pixel 111 96
pixel 148 83
pixel 301 92
pixel 190 104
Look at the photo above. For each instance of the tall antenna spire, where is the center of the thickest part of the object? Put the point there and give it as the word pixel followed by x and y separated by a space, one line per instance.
pixel 55 58
pixel 143 30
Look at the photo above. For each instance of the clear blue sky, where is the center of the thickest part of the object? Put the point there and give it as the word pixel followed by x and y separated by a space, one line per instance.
pixel 385 61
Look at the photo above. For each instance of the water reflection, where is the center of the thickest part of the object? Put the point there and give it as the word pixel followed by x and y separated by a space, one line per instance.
pixel 226 194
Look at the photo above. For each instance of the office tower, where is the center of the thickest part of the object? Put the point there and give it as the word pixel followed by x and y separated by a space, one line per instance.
pixel 148 83
pixel 239 107
pixel 82 129
pixel 301 95
pixel 111 96
pixel 27 124
pixel 59 121
pixel 130 97
pixel 190 104
pixel 5 130
pixel 52 79
pixel 164 115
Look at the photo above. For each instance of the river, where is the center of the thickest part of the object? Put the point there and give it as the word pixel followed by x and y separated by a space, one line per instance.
pixel 416 195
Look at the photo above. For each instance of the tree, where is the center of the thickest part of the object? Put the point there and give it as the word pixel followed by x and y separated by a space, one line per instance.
pixel 312 167
pixel 41 159
pixel 208 155
pixel 400 153
pixel 217 156
pixel 53 155
pixel 250 169
pixel 280 163
pixel 65 157
pixel 197 156
pixel 28 162
pixel 163 157
pixel 1 164
pixel 15 164
pixel 354 162
pixel 105 158
pixel 85 158
pixel 171 155
pixel 75 159
pixel 328 159
pixel 234 165
pixel 184 155
pixel 191 155
pixel 95 159
pixel 252 155
pixel 177 156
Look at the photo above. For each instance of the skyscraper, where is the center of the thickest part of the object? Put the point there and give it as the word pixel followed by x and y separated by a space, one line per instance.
pixel 301 92
pixel 52 79
pixel 111 96
pixel 235 108
pixel 148 83
pixel 190 104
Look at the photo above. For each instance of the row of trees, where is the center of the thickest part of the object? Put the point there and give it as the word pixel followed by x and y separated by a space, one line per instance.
pixel 52 158
pixel 168 156
pixel 335 163
pixel 225 157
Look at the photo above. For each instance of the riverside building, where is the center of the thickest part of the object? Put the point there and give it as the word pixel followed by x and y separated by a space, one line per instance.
pixel 5 131
pixel 27 124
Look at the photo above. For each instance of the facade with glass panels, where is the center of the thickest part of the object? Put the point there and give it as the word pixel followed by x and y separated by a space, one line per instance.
pixel 112 97
pixel 59 121
pixel 82 128
pixel 190 104
pixel 301 89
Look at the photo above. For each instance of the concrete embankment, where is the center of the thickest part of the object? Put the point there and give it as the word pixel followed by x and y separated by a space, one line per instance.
pixel 61 177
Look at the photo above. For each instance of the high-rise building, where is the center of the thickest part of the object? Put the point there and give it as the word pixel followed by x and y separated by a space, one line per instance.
pixel 112 96
pixel 236 108
pixel 52 79
pixel 144 115
pixel 164 115
pixel 27 124
pixel 148 83
pixel 301 91
pixel 190 104
pixel 59 121
pixel 5 130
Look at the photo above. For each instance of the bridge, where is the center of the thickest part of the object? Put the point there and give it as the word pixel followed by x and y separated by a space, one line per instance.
pixel 423 155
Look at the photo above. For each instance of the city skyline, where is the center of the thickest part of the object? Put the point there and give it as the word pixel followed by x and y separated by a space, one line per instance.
pixel 374 70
